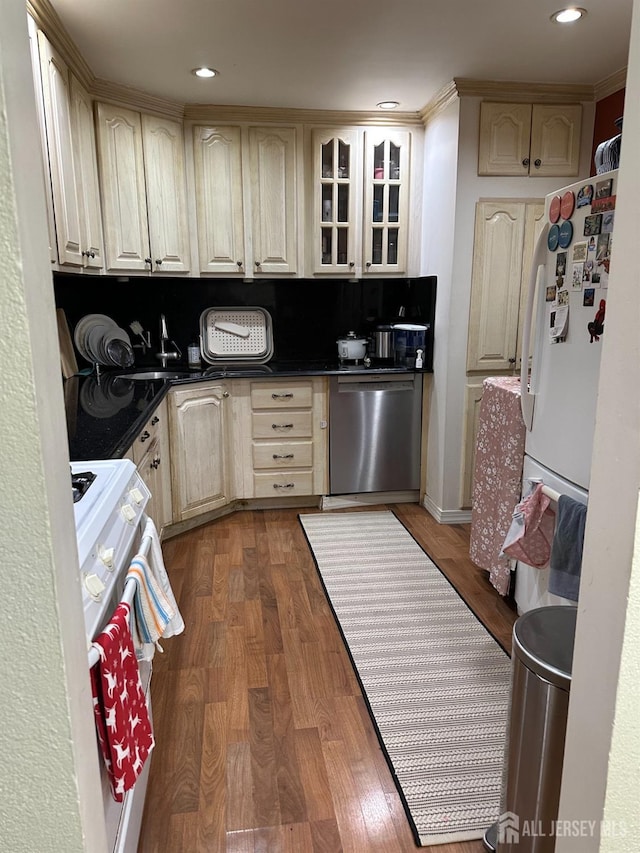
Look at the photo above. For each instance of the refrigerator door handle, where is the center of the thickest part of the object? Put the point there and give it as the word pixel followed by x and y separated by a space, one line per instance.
pixel 527 394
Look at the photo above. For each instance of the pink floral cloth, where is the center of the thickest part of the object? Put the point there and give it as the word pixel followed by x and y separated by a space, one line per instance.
pixel 497 476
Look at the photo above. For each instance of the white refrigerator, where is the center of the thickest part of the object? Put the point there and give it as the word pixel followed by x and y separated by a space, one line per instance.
pixel 566 320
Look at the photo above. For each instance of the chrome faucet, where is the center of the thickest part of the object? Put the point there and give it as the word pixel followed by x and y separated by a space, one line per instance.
pixel 165 355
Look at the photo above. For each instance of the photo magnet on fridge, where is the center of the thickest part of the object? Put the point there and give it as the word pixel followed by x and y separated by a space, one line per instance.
pixel 561 263
pixel 602 204
pixel 579 253
pixel 588 297
pixel 607 221
pixel 592 224
pixel 551 294
pixel 603 188
pixel 576 276
pixel 585 195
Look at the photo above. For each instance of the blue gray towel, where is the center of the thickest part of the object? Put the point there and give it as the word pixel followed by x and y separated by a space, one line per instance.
pixel 566 549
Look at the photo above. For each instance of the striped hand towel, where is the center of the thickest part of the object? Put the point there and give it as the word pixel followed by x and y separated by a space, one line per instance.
pixel 152 610
pixel 156 562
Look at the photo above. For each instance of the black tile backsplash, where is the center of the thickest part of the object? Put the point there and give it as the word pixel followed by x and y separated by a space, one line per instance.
pixel 308 315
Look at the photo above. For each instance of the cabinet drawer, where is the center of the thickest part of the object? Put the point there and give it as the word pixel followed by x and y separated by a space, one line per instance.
pixel 147 436
pixel 289 395
pixel 289 454
pixel 286 483
pixel 281 424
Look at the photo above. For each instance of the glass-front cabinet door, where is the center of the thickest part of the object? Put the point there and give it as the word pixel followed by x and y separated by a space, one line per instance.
pixel 386 200
pixel 336 162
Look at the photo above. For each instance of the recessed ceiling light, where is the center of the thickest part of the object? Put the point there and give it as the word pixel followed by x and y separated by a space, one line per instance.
pixel 205 72
pixel 568 16
pixel 388 105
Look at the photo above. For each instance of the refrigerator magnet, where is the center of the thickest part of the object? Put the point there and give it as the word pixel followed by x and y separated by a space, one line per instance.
pixel 576 276
pixel 567 204
pixel 585 195
pixel 604 188
pixel 554 209
pixel 561 263
pixel 553 238
pixel 592 224
pixel 607 222
pixel 602 204
pixel 579 253
pixel 550 294
pixel 562 297
pixel 566 234
pixel 596 326
pixel 588 296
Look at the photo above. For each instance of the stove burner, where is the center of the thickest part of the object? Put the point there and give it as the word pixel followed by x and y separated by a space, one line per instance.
pixel 80 483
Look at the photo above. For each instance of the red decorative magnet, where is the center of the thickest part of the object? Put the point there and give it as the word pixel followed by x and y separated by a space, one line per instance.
pixel 554 209
pixel 567 204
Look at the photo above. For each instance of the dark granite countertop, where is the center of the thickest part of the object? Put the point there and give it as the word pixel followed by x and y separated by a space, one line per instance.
pixel 105 415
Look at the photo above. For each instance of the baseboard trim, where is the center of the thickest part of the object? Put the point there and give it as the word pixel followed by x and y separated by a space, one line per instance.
pixel 368 499
pixel 446 516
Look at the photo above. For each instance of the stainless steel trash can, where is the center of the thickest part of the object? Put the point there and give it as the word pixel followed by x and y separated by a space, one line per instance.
pixel 541 678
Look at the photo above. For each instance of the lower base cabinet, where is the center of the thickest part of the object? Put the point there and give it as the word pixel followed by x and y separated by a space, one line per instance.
pixel 150 452
pixel 201 458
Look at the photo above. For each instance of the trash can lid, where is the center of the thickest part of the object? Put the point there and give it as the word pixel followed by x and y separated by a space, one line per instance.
pixel 543 640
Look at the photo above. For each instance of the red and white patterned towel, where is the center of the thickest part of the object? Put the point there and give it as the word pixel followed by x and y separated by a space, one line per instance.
pixel 122 719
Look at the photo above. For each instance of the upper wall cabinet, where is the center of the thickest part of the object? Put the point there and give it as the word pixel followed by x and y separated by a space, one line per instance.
pixel 144 201
pixel 359 221
pixel 529 139
pixel 256 164
pixel 72 162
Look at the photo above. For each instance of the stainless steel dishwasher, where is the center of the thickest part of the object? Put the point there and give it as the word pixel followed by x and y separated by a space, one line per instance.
pixel 374 433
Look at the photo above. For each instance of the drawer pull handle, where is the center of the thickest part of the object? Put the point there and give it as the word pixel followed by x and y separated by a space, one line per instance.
pixel 281 426
pixel 284 485
pixel 283 455
pixel 282 396
pixel 154 420
pixel 145 435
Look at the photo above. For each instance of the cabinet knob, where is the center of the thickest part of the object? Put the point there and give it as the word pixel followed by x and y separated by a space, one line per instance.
pixel 158 262
pixel 147 260
pixel 85 254
pixel 512 361
pixel 225 393
pixel 526 161
pixel 368 264
pixel 258 263
pixel 537 163
pixel 351 264
pixel 239 265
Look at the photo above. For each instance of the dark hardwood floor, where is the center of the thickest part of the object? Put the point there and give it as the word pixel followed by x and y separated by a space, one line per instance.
pixel 264 743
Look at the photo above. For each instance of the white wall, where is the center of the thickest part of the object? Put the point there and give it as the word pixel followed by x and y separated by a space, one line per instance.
pixel 454 276
pixel 47 733
pixel 609 608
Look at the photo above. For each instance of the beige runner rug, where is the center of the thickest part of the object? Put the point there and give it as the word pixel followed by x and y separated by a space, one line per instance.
pixel 436 682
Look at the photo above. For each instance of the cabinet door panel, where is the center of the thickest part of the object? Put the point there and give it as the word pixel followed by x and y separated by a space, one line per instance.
pixel 198 452
pixel 123 188
pixel 505 131
pixel 495 289
pixel 163 146
pixel 386 200
pixel 555 140
pixel 218 178
pixel 84 144
pixel 273 199
pixel 533 224
pixel 57 99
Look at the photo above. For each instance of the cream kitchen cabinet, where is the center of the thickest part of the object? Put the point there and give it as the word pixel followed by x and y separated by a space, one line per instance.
pixel 246 199
pixel 505 234
pixel 201 457
pixel 150 452
pixel 143 190
pixel 360 217
pixel 72 164
pixel 541 140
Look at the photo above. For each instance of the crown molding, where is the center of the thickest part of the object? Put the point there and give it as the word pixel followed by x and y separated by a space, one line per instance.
pixel 444 98
pixel 280 115
pixel 47 20
pixel 135 99
pixel 611 84
pixel 503 90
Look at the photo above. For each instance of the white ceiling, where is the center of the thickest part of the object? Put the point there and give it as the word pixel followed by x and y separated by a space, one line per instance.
pixel 341 54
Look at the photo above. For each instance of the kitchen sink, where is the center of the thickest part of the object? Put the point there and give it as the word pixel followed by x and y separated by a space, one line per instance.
pixel 156 374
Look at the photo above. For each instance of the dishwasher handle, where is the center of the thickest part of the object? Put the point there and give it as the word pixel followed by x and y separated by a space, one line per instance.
pixel 357 387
